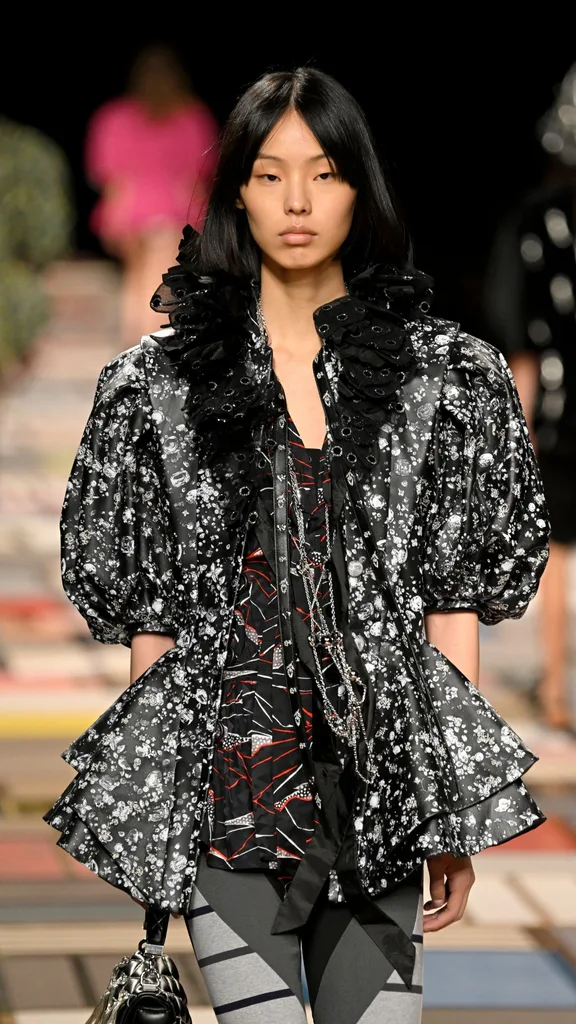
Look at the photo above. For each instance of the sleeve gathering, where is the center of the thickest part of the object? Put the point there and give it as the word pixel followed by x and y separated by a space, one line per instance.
pixel 486 532
pixel 117 566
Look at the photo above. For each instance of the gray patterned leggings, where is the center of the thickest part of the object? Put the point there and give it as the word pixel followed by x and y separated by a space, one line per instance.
pixel 253 977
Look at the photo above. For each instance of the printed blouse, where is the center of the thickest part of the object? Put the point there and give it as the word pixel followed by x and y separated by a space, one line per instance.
pixel 261 811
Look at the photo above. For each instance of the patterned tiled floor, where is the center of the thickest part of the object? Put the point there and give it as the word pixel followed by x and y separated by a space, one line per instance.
pixel 512 958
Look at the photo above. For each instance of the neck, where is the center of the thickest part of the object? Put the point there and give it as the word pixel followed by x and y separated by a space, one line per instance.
pixel 161 106
pixel 290 297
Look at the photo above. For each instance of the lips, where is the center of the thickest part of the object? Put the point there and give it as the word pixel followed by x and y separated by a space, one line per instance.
pixel 297 236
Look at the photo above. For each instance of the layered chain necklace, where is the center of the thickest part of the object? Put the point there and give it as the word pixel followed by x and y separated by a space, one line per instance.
pixel 347 725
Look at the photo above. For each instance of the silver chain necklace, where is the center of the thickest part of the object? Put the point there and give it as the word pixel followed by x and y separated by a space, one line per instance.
pixel 261 321
pixel 348 726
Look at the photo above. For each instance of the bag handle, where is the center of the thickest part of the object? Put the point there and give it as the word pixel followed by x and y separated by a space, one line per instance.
pixel 156 927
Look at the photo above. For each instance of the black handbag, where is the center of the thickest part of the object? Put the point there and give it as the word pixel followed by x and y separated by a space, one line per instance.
pixel 145 988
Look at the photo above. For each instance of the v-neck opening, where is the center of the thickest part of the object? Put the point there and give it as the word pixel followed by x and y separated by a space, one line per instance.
pixel 304 447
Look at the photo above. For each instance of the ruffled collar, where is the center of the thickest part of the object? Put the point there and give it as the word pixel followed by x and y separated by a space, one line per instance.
pixel 233 395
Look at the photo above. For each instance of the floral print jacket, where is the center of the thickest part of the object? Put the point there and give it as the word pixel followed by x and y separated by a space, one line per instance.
pixel 441 509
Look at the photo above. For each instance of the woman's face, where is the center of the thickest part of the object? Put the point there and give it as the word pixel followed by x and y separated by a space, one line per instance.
pixel 298 210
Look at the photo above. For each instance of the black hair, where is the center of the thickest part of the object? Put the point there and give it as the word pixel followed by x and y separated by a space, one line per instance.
pixel 160 58
pixel 377 234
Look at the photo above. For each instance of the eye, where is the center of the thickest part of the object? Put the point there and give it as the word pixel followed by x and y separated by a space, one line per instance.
pixel 325 175
pixel 269 177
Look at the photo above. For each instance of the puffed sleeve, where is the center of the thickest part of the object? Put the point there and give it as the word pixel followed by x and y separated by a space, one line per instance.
pixel 116 543
pixel 486 533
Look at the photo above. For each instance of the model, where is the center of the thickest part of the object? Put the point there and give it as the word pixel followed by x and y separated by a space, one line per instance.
pixel 295 503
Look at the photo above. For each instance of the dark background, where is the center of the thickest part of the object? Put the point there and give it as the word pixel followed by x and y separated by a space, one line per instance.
pixel 453 107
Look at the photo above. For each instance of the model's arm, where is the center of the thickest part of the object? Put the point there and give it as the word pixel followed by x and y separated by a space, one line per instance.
pixel 525 370
pixel 145 650
pixel 455 634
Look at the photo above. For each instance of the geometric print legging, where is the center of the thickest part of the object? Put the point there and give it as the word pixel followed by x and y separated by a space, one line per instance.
pixel 254 977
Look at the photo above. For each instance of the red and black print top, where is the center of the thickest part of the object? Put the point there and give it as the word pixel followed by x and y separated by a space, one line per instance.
pixel 261 813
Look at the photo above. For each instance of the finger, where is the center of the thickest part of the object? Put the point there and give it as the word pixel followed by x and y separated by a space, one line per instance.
pixel 459 889
pixel 434 904
pixel 443 917
pixel 437 886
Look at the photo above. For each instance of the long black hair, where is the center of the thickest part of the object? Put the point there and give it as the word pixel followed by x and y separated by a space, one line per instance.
pixel 377 234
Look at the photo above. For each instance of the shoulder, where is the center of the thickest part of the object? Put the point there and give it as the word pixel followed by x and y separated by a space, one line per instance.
pixel 123 374
pixel 131 370
pixel 443 342
pixel 122 409
pixel 477 357
pixel 478 385
pixel 115 112
pixel 145 370
pixel 475 374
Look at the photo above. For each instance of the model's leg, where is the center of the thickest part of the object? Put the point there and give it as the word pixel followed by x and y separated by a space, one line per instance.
pixel 130 252
pixel 552 691
pixel 252 977
pixel 349 978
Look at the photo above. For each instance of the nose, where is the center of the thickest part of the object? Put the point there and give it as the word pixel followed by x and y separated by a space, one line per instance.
pixel 296 201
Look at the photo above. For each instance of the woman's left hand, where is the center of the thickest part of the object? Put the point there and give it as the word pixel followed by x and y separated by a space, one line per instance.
pixel 451 879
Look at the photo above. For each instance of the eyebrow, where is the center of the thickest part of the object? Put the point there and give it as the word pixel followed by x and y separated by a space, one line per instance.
pixel 280 160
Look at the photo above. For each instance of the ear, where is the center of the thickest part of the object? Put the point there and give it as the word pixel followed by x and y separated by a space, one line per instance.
pixel 240 204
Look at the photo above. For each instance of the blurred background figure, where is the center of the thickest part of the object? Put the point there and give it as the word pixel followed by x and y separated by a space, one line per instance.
pixel 151 153
pixel 530 305
pixel 35 230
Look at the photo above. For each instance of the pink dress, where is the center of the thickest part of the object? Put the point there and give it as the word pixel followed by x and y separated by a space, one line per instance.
pixel 153 172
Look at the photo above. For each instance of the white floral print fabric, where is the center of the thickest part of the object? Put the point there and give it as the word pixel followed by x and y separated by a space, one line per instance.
pixel 450 509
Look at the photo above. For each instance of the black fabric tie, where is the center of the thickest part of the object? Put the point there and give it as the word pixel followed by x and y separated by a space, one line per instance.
pixel 334 843
pixel 334 846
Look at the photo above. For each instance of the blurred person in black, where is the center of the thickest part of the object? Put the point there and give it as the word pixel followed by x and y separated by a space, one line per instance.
pixel 151 153
pixel 530 306
pixel 35 229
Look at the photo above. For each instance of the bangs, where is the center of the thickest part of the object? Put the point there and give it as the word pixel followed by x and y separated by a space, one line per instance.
pixel 318 107
pixel 336 120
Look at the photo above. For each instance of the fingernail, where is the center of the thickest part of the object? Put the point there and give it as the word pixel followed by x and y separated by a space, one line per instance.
pixel 438 903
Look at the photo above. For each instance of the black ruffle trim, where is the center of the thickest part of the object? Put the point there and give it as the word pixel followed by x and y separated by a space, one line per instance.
pixel 368 330
pixel 229 395
pixel 232 392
